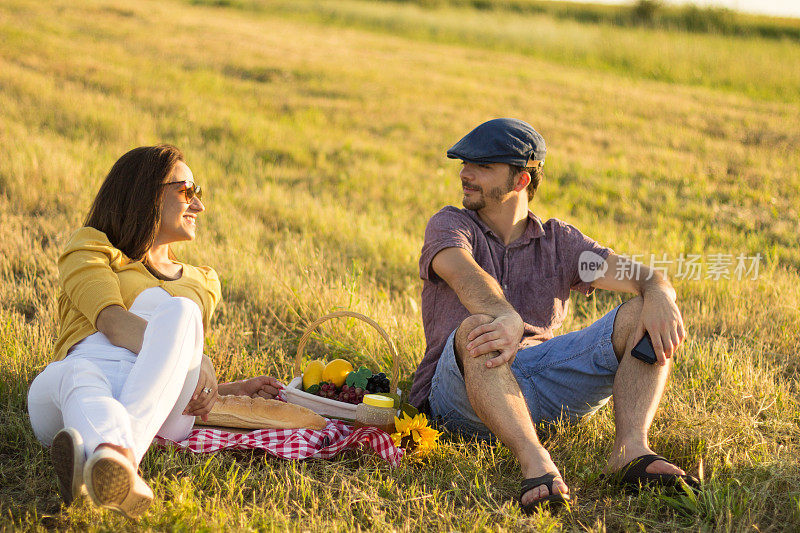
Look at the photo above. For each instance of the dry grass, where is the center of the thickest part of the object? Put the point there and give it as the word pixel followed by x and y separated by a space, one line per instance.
pixel 322 145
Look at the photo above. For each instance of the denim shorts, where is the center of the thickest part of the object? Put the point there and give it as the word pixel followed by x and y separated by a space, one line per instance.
pixel 567 377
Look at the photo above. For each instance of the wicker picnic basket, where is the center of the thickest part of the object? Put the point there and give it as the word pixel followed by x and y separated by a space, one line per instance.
pixel 293 393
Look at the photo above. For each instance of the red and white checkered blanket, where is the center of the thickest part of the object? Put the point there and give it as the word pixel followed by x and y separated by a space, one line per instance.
pixel 293 443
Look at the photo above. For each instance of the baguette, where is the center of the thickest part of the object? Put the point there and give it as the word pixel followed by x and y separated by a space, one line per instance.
pixel 260 413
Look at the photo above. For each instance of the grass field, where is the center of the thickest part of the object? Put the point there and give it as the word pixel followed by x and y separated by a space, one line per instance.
pixel 646 13
pixel 319 130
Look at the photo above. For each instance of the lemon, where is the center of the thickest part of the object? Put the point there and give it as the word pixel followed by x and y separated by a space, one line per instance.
pixel 336 371
pixel 313 373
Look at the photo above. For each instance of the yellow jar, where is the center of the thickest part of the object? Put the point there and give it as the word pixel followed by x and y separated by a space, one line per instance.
pixel 377 411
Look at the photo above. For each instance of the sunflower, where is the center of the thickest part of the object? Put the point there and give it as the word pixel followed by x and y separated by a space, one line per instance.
pixel 414 434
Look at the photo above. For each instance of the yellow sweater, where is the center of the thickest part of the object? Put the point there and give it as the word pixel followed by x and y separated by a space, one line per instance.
pixel 94 275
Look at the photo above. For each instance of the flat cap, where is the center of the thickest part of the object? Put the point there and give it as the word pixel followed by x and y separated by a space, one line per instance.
pixel 501 140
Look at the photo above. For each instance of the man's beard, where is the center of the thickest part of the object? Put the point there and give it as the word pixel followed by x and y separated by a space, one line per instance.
pixel 476 204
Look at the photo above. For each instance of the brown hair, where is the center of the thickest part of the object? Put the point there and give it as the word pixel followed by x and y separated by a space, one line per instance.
pixel 127 207
pixel 537 173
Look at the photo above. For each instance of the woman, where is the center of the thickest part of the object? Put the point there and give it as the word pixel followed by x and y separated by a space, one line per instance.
pixel 129 360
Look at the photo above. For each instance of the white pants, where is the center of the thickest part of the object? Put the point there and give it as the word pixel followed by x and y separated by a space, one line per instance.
pixel 109 394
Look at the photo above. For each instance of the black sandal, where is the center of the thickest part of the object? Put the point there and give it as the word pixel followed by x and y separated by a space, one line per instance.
pixel 635 474
pixel 554 500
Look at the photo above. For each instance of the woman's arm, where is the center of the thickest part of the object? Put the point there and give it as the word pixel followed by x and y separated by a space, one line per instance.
pixel 124 329
pixel 264 386
pixel 121 327
pixel 202 402
pixel 86 275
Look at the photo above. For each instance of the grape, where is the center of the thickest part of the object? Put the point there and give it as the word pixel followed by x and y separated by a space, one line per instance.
pixel 378 383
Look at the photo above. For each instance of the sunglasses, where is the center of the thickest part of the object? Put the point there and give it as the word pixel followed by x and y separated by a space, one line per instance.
pixel 191 190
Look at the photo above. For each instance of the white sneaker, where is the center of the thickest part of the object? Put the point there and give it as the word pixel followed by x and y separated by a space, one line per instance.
pixel 113 483
pixel 67 456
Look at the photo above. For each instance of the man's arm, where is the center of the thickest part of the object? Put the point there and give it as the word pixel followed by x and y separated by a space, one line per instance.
pixel 660 317
pixel 481 294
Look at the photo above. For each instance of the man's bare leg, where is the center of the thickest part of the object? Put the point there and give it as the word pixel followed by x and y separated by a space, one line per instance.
pixel 637 391
pixel 496 398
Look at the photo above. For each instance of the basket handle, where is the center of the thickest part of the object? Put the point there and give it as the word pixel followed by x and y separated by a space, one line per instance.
pixel 304 340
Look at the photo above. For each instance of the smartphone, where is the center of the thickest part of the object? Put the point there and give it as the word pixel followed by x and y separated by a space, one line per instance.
pixel 643 350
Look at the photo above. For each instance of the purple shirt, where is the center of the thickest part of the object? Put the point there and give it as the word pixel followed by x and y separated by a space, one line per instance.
pixel 536 272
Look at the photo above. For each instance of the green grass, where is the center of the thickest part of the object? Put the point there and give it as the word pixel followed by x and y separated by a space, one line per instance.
pixel 319 131
pixel 711 60
pixel 648 13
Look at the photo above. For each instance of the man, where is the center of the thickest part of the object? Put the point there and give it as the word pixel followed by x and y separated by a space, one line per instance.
pixel 496 287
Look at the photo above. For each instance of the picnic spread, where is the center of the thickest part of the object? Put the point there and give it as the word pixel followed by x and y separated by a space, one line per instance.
pixel 260 413
pixel 293 443
pixel 360 413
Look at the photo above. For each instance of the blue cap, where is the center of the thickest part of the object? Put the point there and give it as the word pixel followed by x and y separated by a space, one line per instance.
pixel 501 140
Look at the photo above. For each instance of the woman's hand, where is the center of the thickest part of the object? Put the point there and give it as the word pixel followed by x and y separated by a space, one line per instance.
pixel 205 394
pixel 263 386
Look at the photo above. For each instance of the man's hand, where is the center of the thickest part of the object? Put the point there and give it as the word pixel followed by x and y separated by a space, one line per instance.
pixel 662 319
pixel 501 335
pixel 201 402
pixel 481 294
